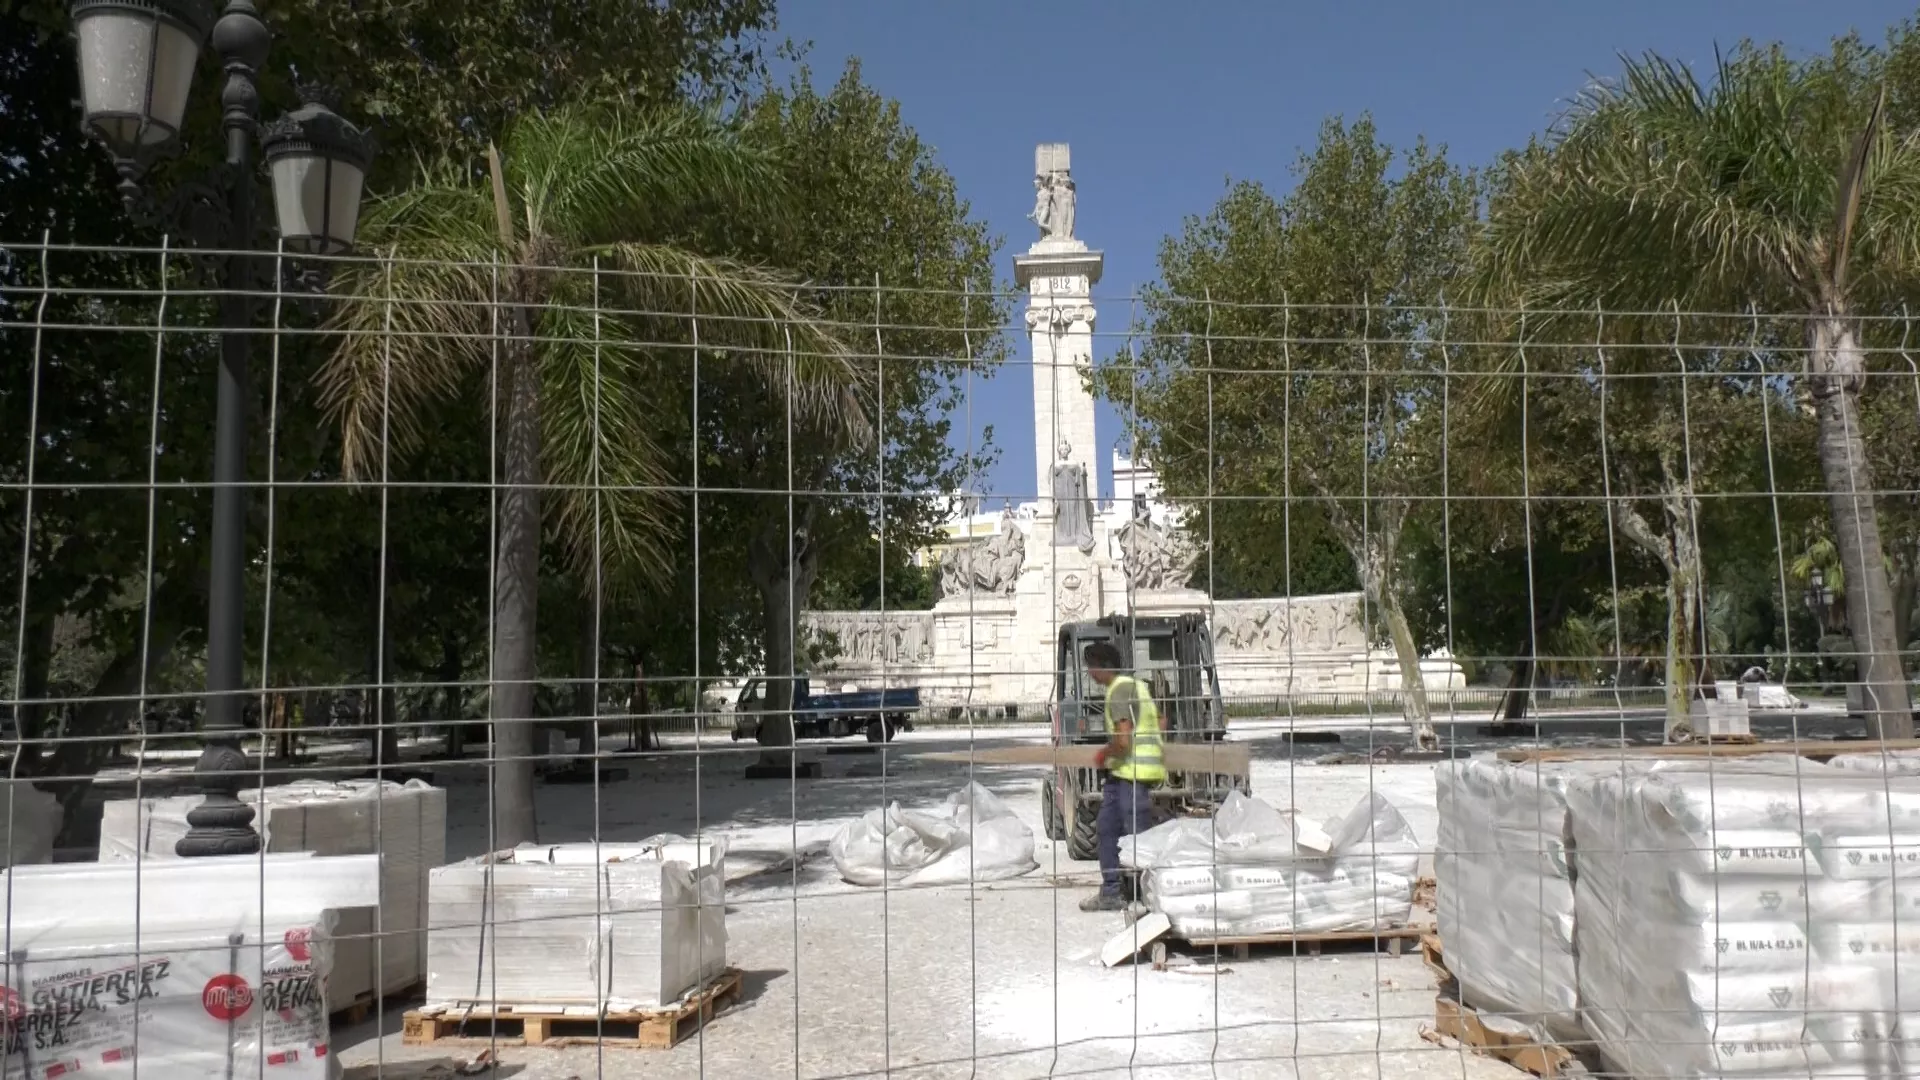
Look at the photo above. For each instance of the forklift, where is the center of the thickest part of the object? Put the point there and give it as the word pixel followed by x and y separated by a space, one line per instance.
pixel 1173 658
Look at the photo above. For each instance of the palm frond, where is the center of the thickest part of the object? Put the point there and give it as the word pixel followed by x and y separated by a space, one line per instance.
pixel 1660 190
pixel 411 325
pixel 613 505
pixel 754 317
pixel 599 173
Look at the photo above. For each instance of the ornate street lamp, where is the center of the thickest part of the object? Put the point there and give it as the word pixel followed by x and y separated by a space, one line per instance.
pixel 136 67
pixel 318 163
pixel 1819 598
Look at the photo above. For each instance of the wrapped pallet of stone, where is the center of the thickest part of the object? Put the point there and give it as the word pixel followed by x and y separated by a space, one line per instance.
pixel 1253 870
pixel 618 926
pixel 1505 899
pixel 405 824
pixel 1729 919
pixel 181 970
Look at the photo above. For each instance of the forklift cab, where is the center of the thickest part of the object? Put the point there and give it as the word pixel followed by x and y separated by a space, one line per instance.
pixel 1173 657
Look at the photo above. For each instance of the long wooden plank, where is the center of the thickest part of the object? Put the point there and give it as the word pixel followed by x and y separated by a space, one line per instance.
pixel 1804 748
pixel 1226 759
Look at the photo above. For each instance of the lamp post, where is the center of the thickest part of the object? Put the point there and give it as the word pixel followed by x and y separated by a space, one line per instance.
pixel 137 59
pixel 1820 599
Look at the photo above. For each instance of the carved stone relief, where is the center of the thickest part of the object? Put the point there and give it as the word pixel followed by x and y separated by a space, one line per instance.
pixel 1155 556
pixel 990 566
pixel 876 638
pixel 1314 625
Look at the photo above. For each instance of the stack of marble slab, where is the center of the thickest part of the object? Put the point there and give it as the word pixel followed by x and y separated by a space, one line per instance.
pixel 178 969
pixel 378 951
pixel 618 926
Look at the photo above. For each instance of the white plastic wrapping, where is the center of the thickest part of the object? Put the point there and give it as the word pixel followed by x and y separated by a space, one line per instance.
pixel 612 925
pixel 404 824
pixel 1239 874
pixel 972 836
pixel 1732 921
pixel 1505 900
pixel 186 972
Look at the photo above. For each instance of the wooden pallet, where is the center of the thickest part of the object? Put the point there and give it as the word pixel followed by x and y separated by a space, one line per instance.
pixel 366 1004
pixel 1435 958
pixel 1550 1060
pixel 1241 948
pixel 543 1024
pixel 1803 747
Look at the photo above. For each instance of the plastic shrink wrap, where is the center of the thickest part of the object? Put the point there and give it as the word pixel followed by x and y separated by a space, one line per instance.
pixel 209 967
pixel 1505 898
pixel 971 836
pixel 1242 873
pixel 1747 920
pixel 613 925
pixel 405 824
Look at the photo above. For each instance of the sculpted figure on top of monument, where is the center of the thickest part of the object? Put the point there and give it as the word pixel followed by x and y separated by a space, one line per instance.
pixel 1155 556
pixel 989 566
pixel 1053 204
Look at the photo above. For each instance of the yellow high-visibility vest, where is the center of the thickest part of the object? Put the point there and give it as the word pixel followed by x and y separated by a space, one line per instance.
pixel 1146 762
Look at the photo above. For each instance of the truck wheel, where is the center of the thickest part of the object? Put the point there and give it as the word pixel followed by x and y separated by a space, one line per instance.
pixel 1084 844
pixel 879 730
pixel 1050 820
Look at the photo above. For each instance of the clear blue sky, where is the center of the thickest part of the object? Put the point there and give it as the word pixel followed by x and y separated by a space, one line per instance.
pixel 1163 101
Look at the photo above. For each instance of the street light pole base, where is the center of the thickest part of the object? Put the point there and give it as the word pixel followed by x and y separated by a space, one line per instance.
pixel 222 825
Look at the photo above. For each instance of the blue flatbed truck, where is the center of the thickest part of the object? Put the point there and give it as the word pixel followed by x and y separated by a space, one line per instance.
pixel 881 714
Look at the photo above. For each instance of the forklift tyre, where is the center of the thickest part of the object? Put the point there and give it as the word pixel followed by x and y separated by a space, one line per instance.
pixel 1084 844
pixel 1051 822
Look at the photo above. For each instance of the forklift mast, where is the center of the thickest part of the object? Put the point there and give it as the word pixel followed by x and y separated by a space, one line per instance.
pixel 1172 656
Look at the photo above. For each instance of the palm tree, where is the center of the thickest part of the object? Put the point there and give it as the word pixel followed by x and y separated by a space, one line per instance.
pixel 1779 185
pixel 551 267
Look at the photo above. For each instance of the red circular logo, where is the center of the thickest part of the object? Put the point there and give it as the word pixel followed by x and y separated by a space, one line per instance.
pixel 297 940
pixel 226 997
pixel 11 1005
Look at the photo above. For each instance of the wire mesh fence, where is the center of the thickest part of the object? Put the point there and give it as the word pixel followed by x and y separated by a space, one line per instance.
pixel 709 717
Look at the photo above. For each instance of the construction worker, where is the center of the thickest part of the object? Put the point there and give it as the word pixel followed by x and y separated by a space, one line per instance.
pixel 1135 762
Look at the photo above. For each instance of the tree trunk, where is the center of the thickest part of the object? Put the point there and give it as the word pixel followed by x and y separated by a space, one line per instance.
pixel 1413 686
pixel 110 705
pixel 1678 553
pixel 1373 562
pixel 35 666
pixel 453 725
pixel 1839 369
pixel 782 564
pixel 516 592
pixel 586 689
pixel 776 718
pixel 1519 693
pixel 1682 623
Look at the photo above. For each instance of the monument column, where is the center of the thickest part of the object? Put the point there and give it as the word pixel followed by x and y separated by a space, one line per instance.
pixel 1061 580
pixel 1059 273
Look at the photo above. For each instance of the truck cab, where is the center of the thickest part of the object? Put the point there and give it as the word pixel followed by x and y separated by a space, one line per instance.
pixel 1173 657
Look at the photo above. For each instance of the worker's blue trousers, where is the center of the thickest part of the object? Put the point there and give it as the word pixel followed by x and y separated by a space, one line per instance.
pixel 1125 808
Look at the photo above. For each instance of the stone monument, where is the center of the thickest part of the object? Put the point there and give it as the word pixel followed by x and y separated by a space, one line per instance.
pixel 988 643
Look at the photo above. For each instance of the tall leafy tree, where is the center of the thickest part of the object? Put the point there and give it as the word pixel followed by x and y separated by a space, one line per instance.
pixel 900 264
pixel 1291 348
pixel 426 80
pixel 1776 183
pixel 551 268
